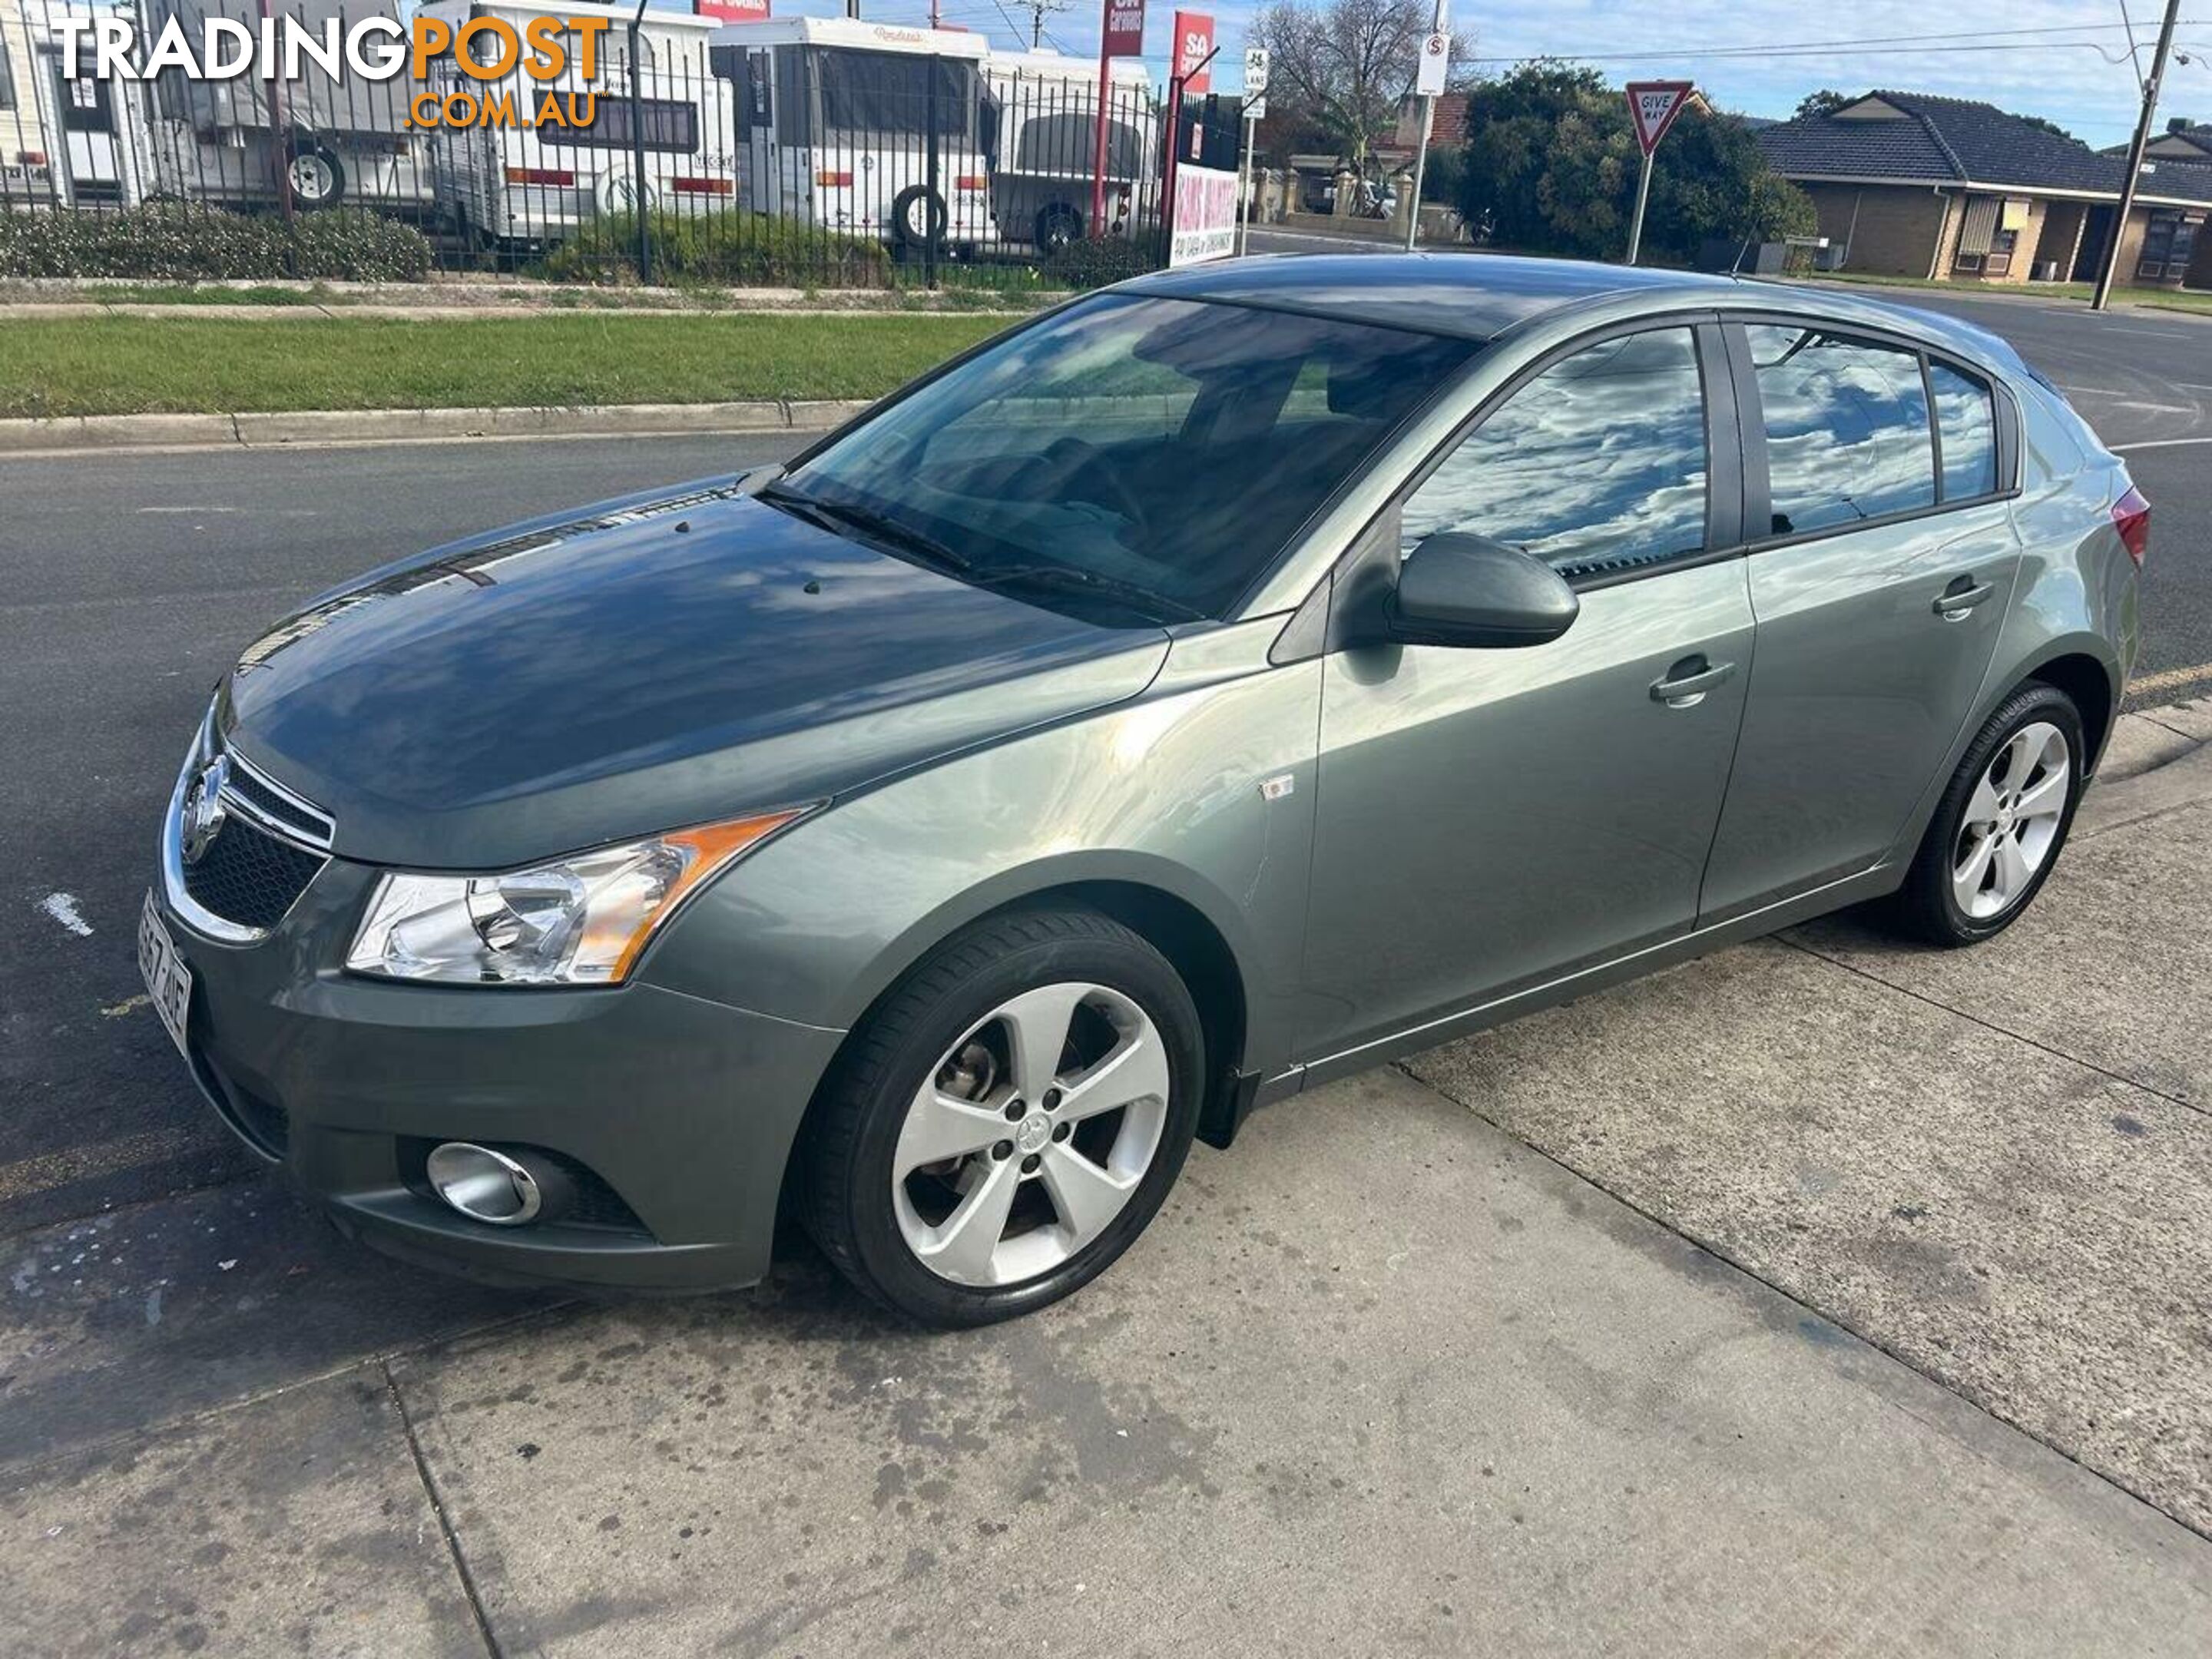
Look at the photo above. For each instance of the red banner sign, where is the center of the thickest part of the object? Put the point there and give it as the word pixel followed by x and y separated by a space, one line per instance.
pixel 732 11
pixel 1193 35
pixel 1125 28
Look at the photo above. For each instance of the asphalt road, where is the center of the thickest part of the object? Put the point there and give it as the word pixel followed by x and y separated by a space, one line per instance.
pixel 127 582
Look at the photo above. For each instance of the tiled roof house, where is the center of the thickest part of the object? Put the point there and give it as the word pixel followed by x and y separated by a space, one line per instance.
pixel 1910 185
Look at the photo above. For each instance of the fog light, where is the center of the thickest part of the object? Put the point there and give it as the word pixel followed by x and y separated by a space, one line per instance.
pixel 484 1185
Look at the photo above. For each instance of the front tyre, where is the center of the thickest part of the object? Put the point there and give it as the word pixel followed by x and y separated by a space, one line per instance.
pixel 2001 824
pixel 1008 1121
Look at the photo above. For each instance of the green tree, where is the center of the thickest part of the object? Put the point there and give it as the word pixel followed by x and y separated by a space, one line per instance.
pixel 1823 102
pixel 1342 67
pixel 1551 166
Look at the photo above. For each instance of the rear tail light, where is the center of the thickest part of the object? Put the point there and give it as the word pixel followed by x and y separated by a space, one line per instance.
pixel 974 181
pixel 31 158
pixel 834 181
pixel 704 187
pixel 560 176
pixel 2131 518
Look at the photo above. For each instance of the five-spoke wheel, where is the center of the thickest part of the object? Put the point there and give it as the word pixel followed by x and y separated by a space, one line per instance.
pixel 1008 1120
pixel 1999 826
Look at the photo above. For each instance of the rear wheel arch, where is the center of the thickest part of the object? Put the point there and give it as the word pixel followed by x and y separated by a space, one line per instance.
pixel 2088 683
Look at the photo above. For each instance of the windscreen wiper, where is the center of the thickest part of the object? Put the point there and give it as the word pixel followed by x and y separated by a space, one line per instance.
pixel 1068 575
pixel 845 515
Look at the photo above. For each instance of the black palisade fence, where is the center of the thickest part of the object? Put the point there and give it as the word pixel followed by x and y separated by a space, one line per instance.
pixel 692 157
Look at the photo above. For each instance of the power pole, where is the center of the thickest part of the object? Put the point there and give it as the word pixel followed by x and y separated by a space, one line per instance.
pixel 2103 295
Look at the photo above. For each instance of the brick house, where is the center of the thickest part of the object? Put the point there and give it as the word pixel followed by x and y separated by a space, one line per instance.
pixel 1910 185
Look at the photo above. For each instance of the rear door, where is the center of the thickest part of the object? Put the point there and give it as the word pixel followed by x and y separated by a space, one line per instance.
pixel 1881 475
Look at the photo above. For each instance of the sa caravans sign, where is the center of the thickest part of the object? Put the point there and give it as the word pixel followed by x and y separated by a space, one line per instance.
pixel 1124 28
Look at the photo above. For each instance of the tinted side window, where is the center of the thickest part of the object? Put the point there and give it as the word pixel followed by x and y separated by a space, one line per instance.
pixel 1847 430
pixel 1965 420
pixel 1598 464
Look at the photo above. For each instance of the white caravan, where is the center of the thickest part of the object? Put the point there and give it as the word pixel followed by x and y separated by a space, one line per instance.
pixel 523 184
pixel 28 139
pixel 835 125
pixel 329 140
pixel 1046 107
pixel 95 130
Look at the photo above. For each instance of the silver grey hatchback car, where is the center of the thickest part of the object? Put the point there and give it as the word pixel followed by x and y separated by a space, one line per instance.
pixel 1210 687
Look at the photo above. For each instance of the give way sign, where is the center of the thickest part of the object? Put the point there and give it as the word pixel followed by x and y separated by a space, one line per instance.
pixel 1653 106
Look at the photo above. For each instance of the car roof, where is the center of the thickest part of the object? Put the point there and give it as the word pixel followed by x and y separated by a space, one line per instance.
pixel 1472 295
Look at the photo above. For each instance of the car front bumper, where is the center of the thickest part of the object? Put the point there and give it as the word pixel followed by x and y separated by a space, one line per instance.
pixel 681 1110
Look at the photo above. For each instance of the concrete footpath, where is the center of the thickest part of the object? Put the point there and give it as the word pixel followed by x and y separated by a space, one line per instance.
pixel 1823 1295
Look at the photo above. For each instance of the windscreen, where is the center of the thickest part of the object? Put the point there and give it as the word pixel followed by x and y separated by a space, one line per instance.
pixel 1143 459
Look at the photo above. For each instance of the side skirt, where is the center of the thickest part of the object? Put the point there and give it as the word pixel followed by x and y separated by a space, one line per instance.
pixel 1882 879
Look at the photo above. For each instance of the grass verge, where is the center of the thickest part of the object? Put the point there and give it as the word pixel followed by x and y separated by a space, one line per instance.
pixel 215 365
pixel 2164 298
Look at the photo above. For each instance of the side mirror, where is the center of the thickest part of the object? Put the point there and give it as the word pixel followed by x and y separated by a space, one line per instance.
pixel 1463 590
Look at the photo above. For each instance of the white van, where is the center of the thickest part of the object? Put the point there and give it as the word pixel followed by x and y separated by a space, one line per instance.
pixel 518 184
pixel 1044 156
pixel 835 120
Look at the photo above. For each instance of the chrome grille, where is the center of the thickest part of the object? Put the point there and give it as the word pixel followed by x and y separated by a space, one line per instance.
pixel 277 808
pixel 253 861
pixel 248 878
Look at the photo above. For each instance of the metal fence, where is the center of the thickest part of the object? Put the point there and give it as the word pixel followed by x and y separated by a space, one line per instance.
pixel 757 159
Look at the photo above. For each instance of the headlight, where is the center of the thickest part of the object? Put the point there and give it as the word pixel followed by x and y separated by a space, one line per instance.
pixel 576 920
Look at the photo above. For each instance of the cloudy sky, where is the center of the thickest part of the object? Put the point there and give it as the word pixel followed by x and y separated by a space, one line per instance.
pixel 2051 57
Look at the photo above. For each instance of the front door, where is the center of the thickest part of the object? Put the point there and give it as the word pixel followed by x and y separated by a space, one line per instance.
pixel 1879 593
pixel 1489 819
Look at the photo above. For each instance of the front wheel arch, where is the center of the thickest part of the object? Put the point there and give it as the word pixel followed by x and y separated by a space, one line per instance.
pixel 1176 928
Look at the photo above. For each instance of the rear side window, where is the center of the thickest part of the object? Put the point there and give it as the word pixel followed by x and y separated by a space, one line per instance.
pixel 1847 435
pixel 1597 466
pixel 1966 424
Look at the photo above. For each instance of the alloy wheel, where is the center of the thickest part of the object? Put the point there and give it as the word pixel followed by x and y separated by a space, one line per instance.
pixel 1030 1134
pixel 2011 822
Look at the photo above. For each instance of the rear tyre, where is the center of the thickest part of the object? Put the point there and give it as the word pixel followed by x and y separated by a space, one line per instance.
pixel 2000 825
pixel 918 217
pixel 1008 1120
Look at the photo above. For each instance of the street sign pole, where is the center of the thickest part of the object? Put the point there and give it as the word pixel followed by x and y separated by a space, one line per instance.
pixel 1643 196
pixel 1256 106
pixel 1244 185
pixel 1652 107
pixel 1429 79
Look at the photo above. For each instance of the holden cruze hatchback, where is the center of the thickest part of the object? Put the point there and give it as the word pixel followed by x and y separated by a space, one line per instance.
pixel 1208 689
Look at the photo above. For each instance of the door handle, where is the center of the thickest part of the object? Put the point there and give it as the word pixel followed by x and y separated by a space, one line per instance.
pixel 1962 596
pixel 1684 684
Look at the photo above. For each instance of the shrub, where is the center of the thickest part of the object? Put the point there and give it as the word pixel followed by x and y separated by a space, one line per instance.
pixel 733 249
pixel 1096 264
pixel 180 242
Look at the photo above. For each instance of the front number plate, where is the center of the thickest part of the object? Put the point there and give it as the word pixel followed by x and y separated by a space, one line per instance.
pixel 168 980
